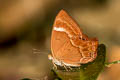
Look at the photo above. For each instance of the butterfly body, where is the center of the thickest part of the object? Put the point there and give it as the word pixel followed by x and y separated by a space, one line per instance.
pixel 69 46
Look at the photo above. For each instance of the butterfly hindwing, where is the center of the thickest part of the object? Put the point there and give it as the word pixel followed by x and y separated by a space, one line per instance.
pixel 69 44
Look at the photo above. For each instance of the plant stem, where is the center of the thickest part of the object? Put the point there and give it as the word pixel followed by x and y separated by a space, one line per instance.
pixel 111 63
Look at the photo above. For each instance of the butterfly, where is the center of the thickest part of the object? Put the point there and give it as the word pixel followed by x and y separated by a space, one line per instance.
pixel 69 46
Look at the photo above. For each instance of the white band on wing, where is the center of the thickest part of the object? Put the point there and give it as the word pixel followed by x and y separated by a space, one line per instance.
pixel 59 29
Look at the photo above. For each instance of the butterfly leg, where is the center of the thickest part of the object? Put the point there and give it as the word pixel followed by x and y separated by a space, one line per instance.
pixel 70 68
pixel 65 67
pixel 54 65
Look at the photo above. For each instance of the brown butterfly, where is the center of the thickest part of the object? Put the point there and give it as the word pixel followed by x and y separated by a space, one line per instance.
pixel 69 46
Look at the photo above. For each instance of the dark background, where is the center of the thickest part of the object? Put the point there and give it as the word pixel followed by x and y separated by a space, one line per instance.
pixel 25 32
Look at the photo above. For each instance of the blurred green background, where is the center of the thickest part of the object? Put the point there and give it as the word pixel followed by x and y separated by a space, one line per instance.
pixel 25 32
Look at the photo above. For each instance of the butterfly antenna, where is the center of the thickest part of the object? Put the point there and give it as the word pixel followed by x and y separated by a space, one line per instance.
pixel 39 51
